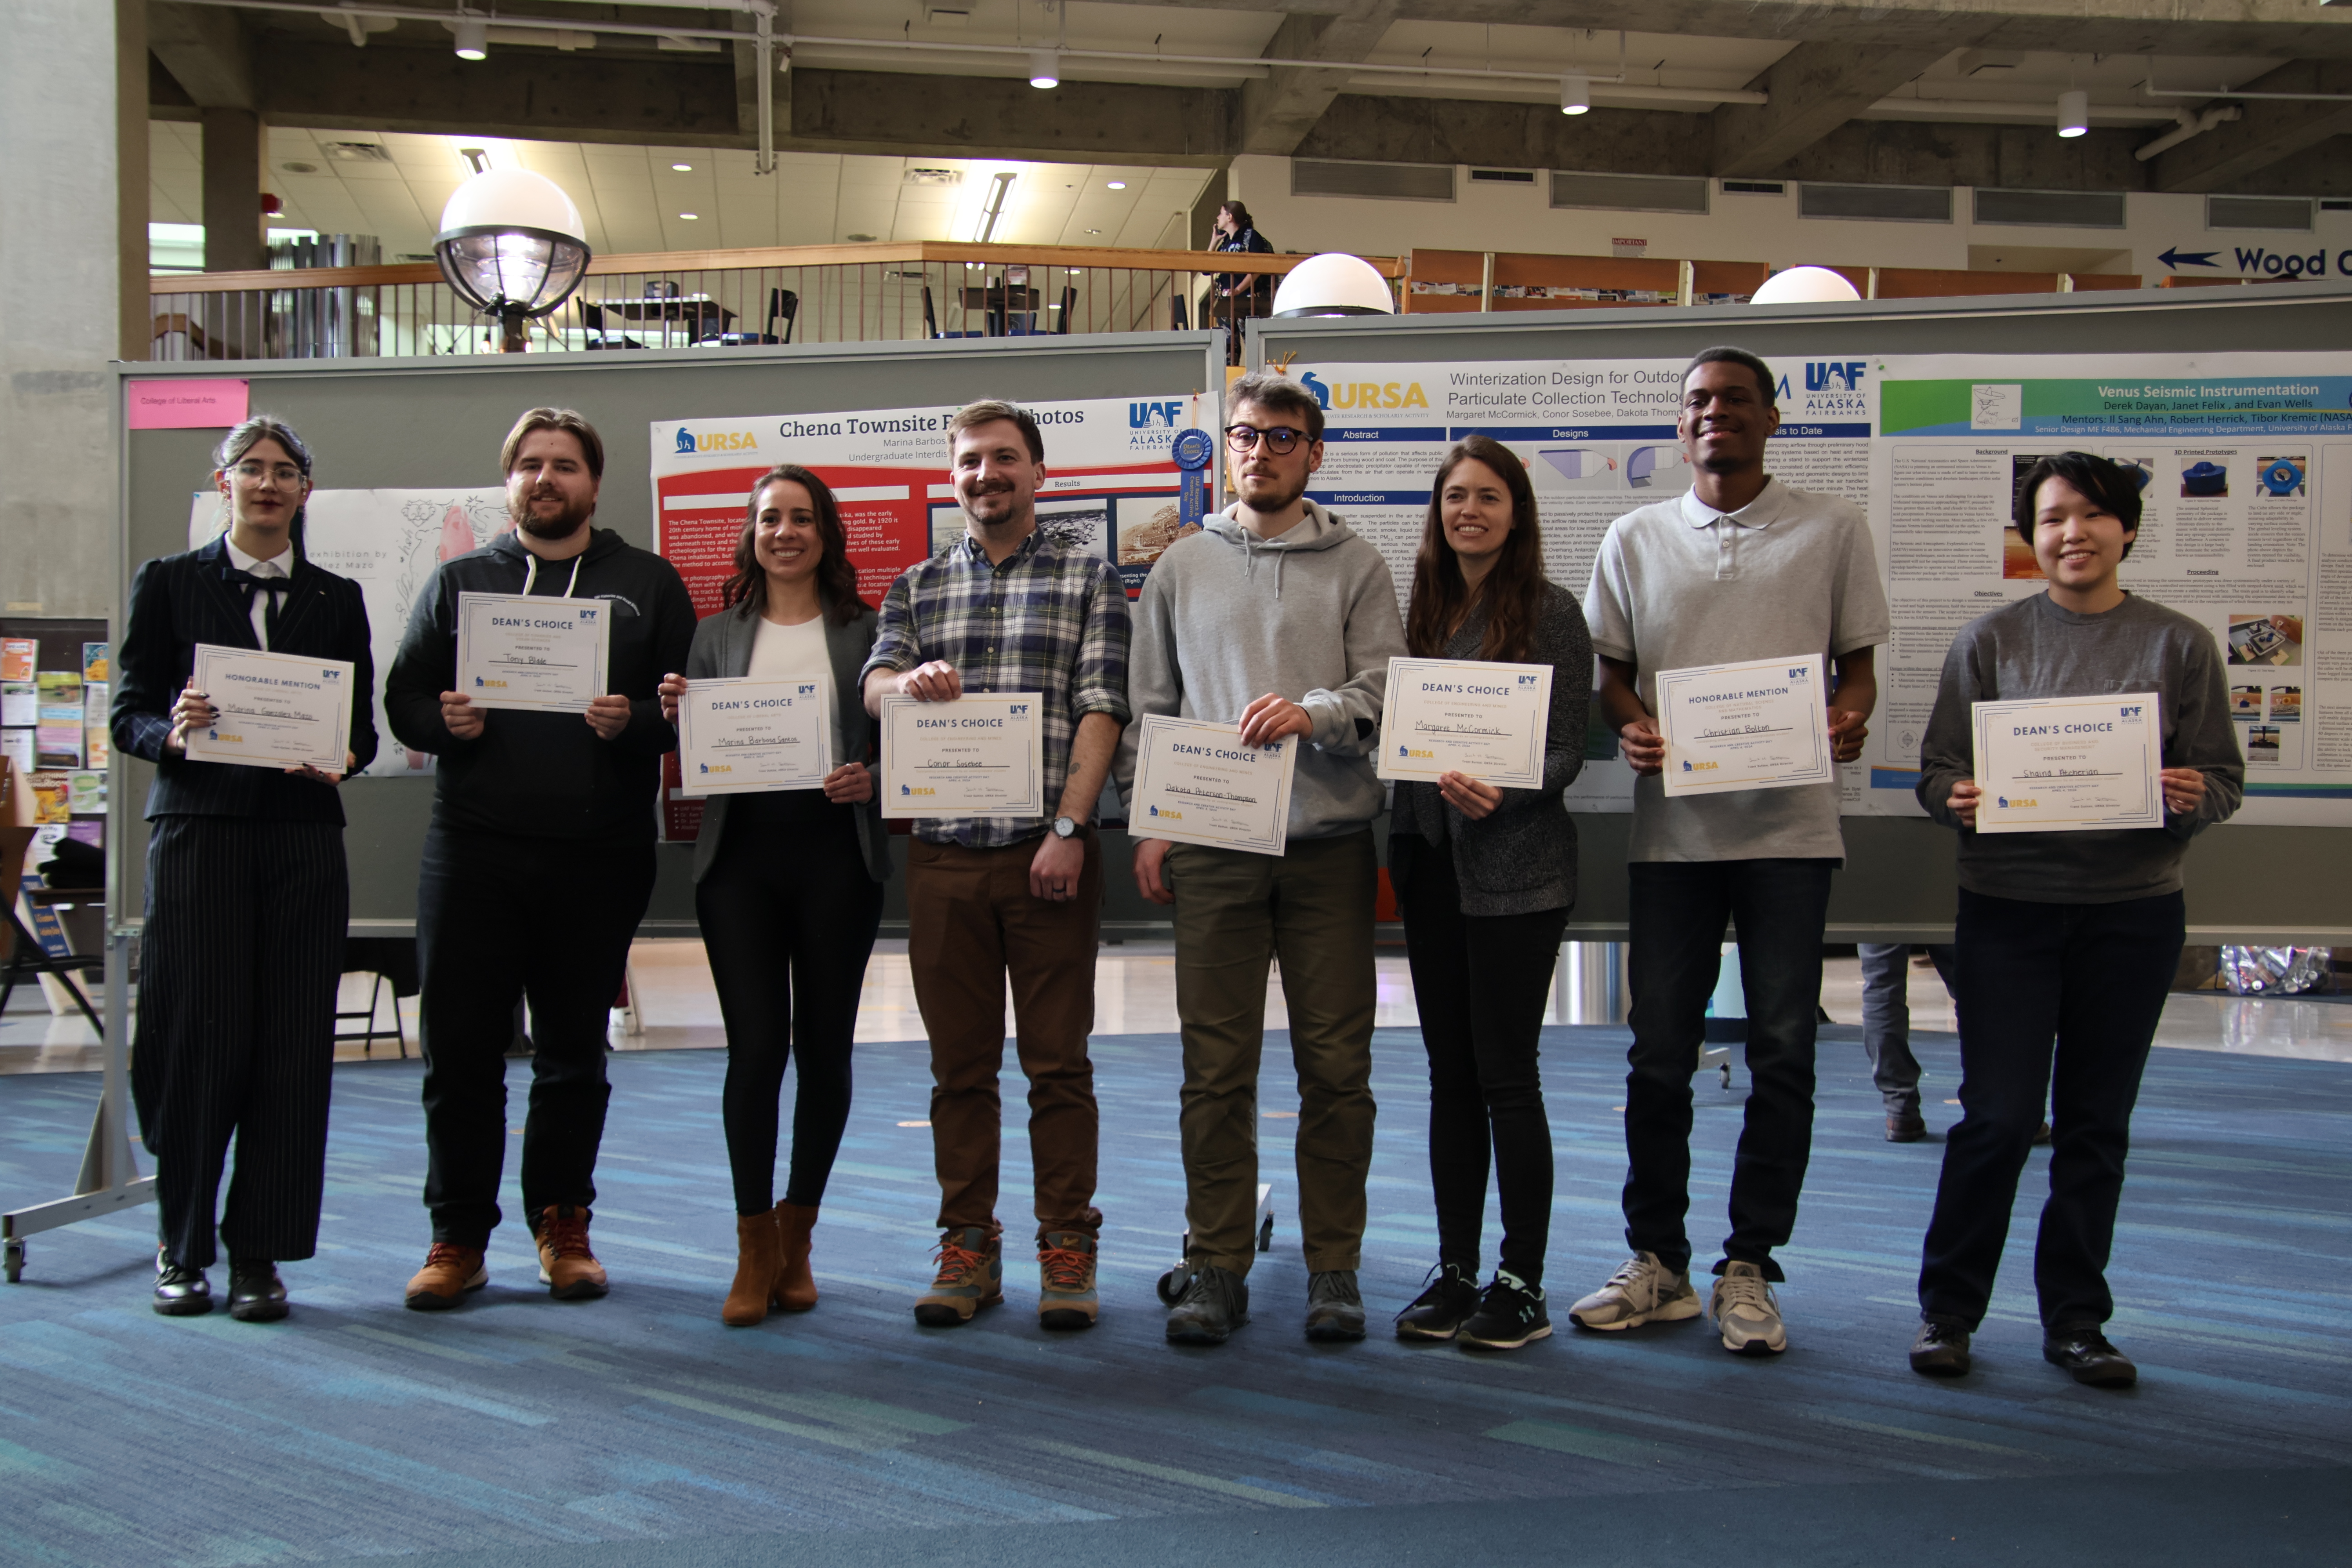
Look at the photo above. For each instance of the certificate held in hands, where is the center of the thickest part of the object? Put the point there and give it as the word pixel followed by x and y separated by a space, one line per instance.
pixel 273 709
pixel 547 655
pixel 983 754
pixel 1759 724
pixel 738 735
pixel 1198 782
pixel 1464 716
pixel 2066 765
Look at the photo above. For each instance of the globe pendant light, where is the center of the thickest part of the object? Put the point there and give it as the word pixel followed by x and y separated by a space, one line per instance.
pixel 512 245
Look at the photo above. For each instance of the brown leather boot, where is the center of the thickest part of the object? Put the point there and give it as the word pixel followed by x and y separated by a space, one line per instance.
pixel 755 1271
pixel 795 1286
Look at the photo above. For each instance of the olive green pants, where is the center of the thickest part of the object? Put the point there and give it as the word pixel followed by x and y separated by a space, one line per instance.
pixel 1311 909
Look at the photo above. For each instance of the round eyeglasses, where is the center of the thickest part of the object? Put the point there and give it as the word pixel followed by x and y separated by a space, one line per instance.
pixel 1280 440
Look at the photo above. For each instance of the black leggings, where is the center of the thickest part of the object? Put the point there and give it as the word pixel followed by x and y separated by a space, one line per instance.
pixel 788 903
pixel 1480 983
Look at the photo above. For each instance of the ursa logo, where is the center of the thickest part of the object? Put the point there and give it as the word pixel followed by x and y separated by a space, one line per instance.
pixel 688 443
pixel 1834 375
pixel 1149 415
pixel 686 440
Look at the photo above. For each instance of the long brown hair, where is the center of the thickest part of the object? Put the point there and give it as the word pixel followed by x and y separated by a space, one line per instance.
pixel 1513 591
pixel 836 575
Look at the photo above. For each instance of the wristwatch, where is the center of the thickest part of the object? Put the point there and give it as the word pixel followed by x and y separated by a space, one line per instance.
pixel 1069 827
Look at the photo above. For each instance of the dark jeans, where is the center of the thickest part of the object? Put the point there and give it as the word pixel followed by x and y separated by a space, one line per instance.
pixel 1677 914
pixel 787 906
pixel 1480 983
pixel 1886 1019
pixel 501 918
pixel 2079 986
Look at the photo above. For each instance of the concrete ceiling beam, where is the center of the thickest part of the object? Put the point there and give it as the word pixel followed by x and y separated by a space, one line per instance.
pixel 1278 109
pixel 1001 117
pixel 207 50
pixel 2270 134
pixel 1816 88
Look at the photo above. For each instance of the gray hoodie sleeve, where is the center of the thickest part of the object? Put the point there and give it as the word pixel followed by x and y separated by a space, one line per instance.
pixel 1348 721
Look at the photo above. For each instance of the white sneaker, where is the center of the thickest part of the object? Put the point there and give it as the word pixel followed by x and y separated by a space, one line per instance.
pixel 1643 1291
pixel 1746 1311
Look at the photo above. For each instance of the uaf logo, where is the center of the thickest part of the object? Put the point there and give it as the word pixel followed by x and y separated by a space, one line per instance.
pixel 1526 680
pixel 2129 711
pixel 1017 708
pixel 1834 375
pixel 688 443
pixel 587 614
pixel 1149 415
pixel 1798 673
pixel 807 689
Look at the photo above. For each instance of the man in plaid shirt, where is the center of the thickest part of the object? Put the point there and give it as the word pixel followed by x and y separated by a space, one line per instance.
pixel 1006 608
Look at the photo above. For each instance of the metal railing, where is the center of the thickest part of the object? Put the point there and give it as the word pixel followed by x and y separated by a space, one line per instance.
pixel 827 293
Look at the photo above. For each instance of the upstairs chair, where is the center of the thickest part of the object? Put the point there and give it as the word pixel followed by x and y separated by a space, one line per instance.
pixel 592 317
pixel 784 305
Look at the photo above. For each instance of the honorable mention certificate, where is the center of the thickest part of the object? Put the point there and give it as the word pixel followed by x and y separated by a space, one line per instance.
pixel 2067 764
pixel 1459 715
pixel 983 754
pixel 737 735
pixel 1197 783
pixel 273 709
pixel 1759 724
pixel 545 654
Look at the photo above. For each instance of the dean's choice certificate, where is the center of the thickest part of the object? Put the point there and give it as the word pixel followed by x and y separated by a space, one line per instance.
pixel 1458 715
pixel 983 754
pixel 546 654
pixel 1197 783
pixel 2066 763
pixel 273 709
pixel 737 735
pixel 1759 724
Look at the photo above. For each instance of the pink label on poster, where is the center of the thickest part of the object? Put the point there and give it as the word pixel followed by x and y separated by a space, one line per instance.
pixel 175 405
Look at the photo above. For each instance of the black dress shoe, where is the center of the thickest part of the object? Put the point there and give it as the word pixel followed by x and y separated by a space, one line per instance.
pixel 180 1292
pixel 2088 1358
pixel 256 1294
pixel 1940 1351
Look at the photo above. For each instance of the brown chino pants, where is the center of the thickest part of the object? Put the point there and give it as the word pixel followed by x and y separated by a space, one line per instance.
pixel 1311 909
pixel 972 923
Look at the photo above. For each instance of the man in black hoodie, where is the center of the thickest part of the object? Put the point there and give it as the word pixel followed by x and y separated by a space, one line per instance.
pixel 537 864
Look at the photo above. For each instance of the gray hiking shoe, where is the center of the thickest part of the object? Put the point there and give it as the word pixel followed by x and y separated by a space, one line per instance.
pixel 1216 1302
pixel 1335 1308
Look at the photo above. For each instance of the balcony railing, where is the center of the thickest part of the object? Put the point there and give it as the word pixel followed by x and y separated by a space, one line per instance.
pixel 828 293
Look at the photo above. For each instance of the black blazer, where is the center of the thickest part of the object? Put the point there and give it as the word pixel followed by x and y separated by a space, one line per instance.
pixel 179 601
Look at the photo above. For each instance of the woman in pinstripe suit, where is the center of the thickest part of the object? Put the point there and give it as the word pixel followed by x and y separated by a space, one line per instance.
pixel 247 895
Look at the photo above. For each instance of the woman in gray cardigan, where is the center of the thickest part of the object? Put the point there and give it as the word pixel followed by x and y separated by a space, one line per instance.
pixel 1485 879
pixel 788 883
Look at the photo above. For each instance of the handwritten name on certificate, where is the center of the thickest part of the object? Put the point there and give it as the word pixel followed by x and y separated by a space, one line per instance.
pixel 547 655
pixel 1462 716
pixel 273 709
pixel 983 754
pixel 2065 764
pixel 737 735
pixel 1196 783
pixel 1759 724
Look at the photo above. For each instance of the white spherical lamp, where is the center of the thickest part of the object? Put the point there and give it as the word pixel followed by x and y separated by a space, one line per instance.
pixel 1805 286
pixel 1333 284
pixel 512 245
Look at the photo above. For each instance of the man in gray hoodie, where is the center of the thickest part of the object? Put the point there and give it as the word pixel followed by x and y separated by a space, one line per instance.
pixel 1278 619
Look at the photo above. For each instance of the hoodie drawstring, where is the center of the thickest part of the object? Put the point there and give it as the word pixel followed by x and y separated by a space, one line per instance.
pixel 531 575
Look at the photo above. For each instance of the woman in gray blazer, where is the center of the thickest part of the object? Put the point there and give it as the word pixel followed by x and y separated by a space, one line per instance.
pixel 788 883
pixel 1485 879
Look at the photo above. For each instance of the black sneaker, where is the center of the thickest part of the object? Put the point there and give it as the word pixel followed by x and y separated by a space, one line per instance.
pixel 1940 1351
pixel 1442 1308
pixel 2088 1358
pixel 1335 1307
pixel 181 1292
pixel 1510 1314
pixel 256 1294
pixel 1216 1302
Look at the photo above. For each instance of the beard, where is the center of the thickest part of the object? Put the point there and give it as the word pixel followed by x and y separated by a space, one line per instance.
pixel 563 526
pixel 991 508
pixel 1273 495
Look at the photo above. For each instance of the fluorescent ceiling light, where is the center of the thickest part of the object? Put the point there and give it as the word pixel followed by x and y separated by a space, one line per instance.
pixel 1045 68
pixel 683 168
pixel 691 217
pixel 1119 185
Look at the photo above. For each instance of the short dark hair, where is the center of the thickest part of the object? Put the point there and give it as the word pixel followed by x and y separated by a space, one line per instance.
pixel 571 421
pixel 2112 487
pixel 1278 393
pixel 1724 354
pixel 988 411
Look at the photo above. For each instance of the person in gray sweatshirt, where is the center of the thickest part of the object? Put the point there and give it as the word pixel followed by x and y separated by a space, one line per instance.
pixel 2065 942
pixel 1278 619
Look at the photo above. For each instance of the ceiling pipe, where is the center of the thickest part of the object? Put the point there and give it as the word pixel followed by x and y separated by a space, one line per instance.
pixel 2192 123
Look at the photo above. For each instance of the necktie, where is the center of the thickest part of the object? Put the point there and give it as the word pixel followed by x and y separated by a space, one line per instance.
pixel 255 583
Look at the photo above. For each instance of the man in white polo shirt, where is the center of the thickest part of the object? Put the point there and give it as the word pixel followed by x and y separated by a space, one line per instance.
pixel 1741 567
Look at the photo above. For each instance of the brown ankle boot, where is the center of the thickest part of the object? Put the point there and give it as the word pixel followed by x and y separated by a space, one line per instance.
pixel 755 1271
pixel 795 1286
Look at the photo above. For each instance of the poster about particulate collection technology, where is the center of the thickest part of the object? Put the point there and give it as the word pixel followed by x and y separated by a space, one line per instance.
pixel 1112 488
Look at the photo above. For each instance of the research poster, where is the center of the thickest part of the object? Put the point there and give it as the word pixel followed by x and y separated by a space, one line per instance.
pixel 2244 463
pixel 1118 484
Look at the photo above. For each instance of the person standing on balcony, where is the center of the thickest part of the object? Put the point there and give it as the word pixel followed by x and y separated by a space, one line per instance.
pixel 537 864
pixel 1235 297
pixel 1008 608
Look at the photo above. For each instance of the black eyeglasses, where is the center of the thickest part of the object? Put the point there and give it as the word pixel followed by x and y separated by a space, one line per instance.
pixel 1280 440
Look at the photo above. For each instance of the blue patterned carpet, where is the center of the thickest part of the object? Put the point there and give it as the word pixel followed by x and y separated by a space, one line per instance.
pixel 639 1430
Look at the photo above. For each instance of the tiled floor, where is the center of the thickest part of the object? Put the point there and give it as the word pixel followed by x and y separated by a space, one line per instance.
pixel 1136 993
